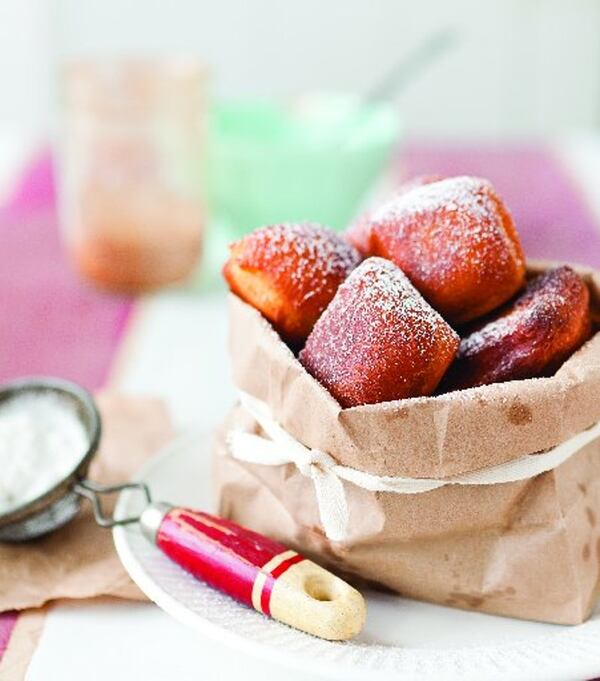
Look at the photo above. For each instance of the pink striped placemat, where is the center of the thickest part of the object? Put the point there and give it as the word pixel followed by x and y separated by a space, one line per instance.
pixel 50 322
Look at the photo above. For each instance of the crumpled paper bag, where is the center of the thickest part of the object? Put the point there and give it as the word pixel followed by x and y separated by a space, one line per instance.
pixel 528 549
pixel 79 560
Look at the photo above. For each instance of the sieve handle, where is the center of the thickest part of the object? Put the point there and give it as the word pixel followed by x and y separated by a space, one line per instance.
pixel 257 571
pixel 93 491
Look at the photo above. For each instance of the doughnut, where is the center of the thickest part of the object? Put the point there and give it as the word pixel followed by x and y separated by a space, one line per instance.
pixel 456 242
pixel 532 337
pixel 358 233
pixel 378 340
pixel 289 273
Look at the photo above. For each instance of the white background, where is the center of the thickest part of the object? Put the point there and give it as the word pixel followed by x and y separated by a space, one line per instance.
pixel 522 66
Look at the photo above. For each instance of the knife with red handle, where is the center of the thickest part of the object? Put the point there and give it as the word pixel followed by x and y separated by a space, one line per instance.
pixel 257 571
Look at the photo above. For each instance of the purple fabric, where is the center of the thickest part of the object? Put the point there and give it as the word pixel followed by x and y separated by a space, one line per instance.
pixel 35 189
pixel 550 213
pixel 7 623
pixel 50 322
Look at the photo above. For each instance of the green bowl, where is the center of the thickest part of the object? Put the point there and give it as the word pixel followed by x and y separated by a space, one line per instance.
pixel 311 159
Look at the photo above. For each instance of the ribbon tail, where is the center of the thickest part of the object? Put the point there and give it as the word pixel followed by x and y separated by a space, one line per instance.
pixel 255 449
pixel 261 413
pixel 331 500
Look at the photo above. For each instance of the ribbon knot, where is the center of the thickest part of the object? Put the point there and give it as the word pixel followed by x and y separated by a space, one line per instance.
pixel 279 448
pixel 320 463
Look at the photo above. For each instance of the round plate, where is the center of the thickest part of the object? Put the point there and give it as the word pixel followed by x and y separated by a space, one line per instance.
pixel 402 638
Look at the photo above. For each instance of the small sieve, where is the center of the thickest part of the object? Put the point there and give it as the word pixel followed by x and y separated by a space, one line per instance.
pixel 256 570
pixel 59 504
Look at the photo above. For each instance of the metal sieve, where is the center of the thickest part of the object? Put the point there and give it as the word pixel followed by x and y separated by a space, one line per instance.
pixel 253 569
pixel 59 504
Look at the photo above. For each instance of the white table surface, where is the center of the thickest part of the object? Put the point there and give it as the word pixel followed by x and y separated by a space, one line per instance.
pixel 181 356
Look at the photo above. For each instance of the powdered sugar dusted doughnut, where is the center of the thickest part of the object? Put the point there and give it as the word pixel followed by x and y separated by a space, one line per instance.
pixel 379 340
pixel 457 243
pixel 290 272
pixel 533 337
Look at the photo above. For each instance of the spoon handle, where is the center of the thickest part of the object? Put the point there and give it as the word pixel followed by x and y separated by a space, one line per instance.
pixel 257 571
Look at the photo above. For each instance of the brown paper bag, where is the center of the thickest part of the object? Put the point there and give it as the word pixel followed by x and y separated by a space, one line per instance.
pixel 528 549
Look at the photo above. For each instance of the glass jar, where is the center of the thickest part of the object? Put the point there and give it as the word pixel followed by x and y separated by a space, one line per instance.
pixel 130 171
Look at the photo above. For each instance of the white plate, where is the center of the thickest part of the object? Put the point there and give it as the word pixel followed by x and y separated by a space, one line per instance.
pixel 402 638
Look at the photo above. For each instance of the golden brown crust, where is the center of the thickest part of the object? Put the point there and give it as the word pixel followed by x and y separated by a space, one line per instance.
pixel 457 243
pixel 289 272
pixel 532 337
pixel 379 340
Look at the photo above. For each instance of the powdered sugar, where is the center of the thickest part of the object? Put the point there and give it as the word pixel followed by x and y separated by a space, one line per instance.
pixel 386 289
pixel 41 442
pixel 308 256
pixel 455 241
pixel 308 243
pixel 464 193
pixel 378 339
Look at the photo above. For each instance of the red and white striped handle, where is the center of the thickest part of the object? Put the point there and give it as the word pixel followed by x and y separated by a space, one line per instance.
pixel 257 571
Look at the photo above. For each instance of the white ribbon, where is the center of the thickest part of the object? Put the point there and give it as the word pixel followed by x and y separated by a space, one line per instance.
pixel 327 475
